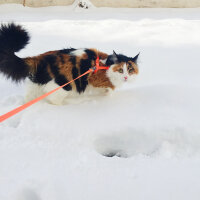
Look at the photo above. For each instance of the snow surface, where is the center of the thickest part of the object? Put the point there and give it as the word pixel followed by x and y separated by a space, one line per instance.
pixel 152 126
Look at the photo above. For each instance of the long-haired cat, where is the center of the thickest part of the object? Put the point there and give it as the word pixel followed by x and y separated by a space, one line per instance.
pixel 54 68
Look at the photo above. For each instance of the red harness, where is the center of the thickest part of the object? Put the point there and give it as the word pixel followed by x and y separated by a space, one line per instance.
pixel 97 67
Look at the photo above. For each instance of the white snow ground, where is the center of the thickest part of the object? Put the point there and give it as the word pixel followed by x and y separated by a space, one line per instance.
pixel 57 152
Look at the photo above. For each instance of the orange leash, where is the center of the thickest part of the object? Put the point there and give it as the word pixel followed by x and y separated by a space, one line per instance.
pixel 26 105
pixel 22 107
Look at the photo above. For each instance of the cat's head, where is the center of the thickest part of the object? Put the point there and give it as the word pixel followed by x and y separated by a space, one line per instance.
pixel 122 68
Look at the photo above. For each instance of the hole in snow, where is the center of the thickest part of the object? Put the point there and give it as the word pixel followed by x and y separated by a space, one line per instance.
pixel 129 143
pixel 126 144
pixel 112 153
pixel 173 142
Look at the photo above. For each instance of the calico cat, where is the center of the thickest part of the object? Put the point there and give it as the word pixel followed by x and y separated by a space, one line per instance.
pixel 55 68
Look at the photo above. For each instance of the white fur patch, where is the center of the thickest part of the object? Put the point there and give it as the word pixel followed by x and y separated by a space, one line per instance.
pixel 78 52
pixel 103 61
pixel 33 90
pixel 57 97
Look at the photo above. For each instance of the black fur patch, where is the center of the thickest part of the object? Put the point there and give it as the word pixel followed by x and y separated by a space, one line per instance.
pixel 13 67
pixel 91 54
pixel 51 60
pixel 135 58
pixel 13 37
pixel 120 58
pixel 61 80
pixel 75 74
pixel 73 60
pixel 42 76
pixel 85 64
pixel 67 51
pixel 109 61
pixel 61 58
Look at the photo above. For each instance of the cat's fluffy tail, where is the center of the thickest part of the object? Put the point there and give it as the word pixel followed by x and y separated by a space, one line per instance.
pixel 13 38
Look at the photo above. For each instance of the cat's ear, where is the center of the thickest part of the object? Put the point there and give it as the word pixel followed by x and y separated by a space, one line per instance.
pixel 135 58
pixel 114 57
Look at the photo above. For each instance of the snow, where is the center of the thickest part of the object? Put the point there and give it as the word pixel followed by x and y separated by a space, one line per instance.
pixel 52 152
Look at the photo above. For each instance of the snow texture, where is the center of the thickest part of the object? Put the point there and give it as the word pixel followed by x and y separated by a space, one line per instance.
pixel 143 142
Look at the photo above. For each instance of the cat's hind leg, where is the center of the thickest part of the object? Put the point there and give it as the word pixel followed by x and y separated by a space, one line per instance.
pixel 33 90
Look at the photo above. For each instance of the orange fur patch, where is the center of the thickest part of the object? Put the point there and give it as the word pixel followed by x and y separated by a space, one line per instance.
pixel 100 79
pixel 135 67
pixel 117 67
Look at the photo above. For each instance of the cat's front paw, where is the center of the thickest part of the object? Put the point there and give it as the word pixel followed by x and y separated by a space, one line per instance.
pixel 107 92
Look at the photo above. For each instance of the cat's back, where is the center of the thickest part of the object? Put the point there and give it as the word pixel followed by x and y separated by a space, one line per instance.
pixel 63 66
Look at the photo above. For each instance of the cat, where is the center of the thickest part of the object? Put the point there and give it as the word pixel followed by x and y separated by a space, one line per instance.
pixel 55 68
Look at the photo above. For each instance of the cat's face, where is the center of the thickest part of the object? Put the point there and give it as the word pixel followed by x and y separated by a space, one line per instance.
pixel 122 69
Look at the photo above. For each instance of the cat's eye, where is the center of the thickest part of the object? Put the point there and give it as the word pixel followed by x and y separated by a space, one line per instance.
pixel 131 70
pixel 130 67
pixel 121 70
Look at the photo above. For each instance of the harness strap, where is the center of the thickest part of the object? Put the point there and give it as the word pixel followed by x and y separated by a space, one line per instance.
pixel 97 67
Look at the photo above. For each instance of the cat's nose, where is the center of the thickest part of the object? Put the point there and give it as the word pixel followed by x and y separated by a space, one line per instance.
pixel 125 78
